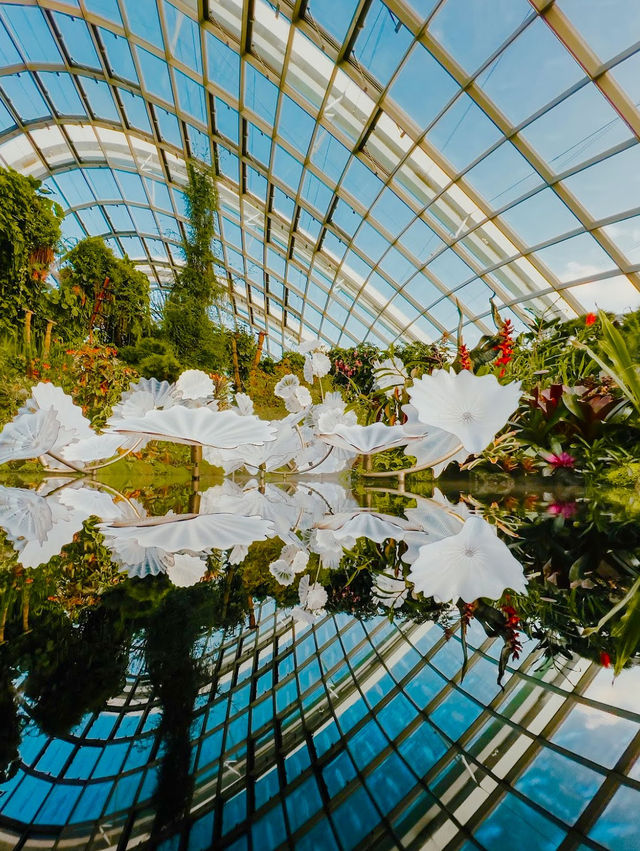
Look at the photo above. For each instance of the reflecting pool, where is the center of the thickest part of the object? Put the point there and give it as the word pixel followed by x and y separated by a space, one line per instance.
pixel 291 664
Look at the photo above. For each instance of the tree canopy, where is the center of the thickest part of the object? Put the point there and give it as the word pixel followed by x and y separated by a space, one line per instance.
pixel 101 293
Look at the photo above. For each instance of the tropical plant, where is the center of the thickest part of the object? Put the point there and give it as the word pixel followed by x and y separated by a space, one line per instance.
pixel 29 234
pixel 99 294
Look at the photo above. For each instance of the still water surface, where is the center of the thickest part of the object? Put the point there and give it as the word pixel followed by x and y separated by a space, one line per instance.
pixel 172 678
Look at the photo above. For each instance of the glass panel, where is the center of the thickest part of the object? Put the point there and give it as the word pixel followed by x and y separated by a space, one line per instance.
pixel 617 294
pixel 260 94
pixel 333 17
pixel 608 26
pixel 503 176
pixel 144 21
pixel 223 65
pixel 62 92
pixel 471 30
pixel 183 36
pixel 532 71
pixel 437 86
pixel 463 133
pixel 77 41
pixel 24 96
pixel 155 75
pixel 119 56
pixel 191 97
pixel 576 130
pixel 30 30
pixel 609 187
pixel 295 125
pixel 542 217
pixel 382 42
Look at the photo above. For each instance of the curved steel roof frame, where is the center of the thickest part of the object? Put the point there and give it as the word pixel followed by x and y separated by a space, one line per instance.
pixel 377 162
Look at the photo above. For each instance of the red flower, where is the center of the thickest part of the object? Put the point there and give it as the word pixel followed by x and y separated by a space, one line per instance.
pixel 605 659
pixel 465 359
pixel 505 346
pixel 590 319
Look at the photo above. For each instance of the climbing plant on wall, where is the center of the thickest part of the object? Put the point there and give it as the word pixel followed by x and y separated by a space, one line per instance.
pixel 196 288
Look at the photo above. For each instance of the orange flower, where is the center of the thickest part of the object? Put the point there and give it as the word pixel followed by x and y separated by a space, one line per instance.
pixel 590 319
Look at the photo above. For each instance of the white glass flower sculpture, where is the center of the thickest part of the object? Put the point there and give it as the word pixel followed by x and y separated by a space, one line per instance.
pixel 286 386
pixel 389 591
pixel 197 426
pixel 192 533
pixel 432 520
pixel 296 397
pixel 388 375
pixel 244 405
pixel 269 502
pixel 315 456
pixel 364 440
pixel 138 561
pixel 270 456
pixel 299 400
pixel 293 559
pixel 238 554
pixel 39 526
pixel 74 429
pixel 365 524
pixel 307 346
pixel 144 395
pixel 282 572
pixel 295 556
pixel 316 365
pixel 471 564
pixel 472 407
pixel 186 570
pixel 326 544
pixel 50 426
pixel 313 598
pixel 29 435
pixel 431 447
pixel 195 385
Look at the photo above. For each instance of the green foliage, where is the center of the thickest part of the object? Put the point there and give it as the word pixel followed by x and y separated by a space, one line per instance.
pixel 100 292
pixel 196 288
pixel 352 369
pixel 256 579
pixel 618 360
pixel 14 387
pixel 29 234
pixel 152 357
pixel 96 379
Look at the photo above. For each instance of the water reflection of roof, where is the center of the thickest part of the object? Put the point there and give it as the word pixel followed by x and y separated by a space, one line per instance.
pixel 342 735
pixel 375 161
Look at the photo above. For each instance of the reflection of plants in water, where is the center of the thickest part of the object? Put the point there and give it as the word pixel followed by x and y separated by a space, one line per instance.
pixel 583 565
pixel 10 720
pixel 176 676
pixel 72 669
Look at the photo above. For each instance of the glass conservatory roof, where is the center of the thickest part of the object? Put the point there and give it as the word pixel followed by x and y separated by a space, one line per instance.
pixel 377 163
